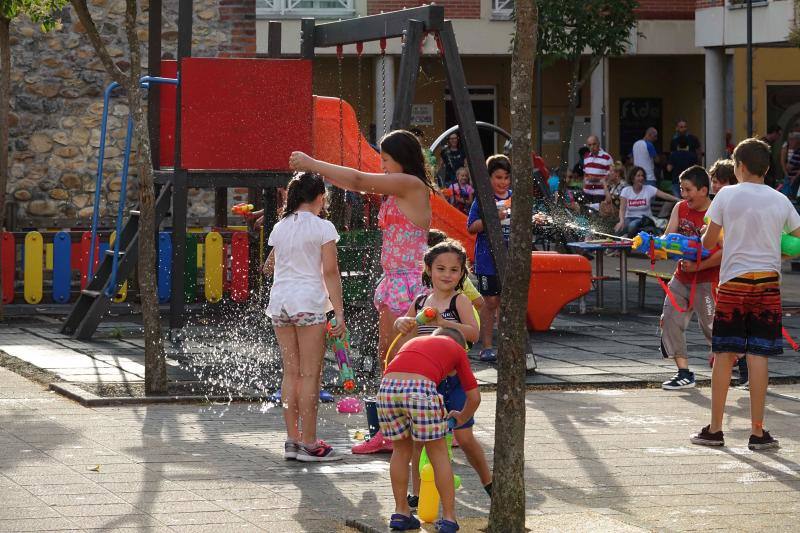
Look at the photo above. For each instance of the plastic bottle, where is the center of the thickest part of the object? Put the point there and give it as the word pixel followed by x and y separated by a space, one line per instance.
pixel 428 509
pixel 423 459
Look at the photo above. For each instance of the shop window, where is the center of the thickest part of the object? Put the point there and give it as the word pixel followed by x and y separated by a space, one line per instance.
pixel 780 97
pixel 299 8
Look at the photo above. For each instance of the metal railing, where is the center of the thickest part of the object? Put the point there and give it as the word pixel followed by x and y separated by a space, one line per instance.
pixel 305 7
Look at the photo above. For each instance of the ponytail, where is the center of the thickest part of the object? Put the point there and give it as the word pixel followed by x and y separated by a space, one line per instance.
pixel 303 188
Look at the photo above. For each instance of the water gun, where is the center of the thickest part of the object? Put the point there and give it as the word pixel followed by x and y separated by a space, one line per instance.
pixel 243 210
pixel 428 509
pixel 790 245
pixel 340 347
pixel 672 246
pixel 425 316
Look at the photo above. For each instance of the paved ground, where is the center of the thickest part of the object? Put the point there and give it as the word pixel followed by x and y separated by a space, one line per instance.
pixel 610 460
pixel 237 353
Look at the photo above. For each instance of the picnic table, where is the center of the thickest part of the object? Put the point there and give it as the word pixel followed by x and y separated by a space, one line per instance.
pixel 599 248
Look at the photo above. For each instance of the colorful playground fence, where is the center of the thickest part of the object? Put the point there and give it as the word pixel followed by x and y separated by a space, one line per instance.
pixel 51 267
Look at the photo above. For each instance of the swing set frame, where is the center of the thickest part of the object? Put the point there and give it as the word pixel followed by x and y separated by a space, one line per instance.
pixel 411 25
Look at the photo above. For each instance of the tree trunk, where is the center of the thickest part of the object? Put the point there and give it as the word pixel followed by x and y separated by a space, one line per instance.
pixel 155 365
pixel 155 376
pixel 5 104
pixel 508 487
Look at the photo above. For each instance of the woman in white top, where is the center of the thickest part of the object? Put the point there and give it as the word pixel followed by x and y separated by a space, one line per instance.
pixel 635 203
pixel 307 285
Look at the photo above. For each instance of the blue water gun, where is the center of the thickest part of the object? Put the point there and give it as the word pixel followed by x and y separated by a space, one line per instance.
pixel 672 246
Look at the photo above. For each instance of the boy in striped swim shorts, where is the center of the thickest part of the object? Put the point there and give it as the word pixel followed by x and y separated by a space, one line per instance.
pixel 748 312
pixel 410 409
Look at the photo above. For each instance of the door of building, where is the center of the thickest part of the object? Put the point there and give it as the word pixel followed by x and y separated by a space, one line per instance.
pixel 483 105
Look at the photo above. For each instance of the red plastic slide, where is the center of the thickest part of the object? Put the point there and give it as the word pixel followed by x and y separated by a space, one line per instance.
pixel 556 279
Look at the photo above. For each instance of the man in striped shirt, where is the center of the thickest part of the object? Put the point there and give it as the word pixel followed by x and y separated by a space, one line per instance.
pixel 596 165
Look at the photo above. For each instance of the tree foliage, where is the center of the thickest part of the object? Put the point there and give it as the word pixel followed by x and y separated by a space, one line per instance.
pixel 571 29
pixel 43 12
pixel 599 28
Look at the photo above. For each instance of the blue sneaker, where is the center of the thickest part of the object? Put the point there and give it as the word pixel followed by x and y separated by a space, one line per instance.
pixel 324 397
pixel 488 355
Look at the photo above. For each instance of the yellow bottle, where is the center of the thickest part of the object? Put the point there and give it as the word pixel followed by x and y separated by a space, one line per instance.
pixel 428 509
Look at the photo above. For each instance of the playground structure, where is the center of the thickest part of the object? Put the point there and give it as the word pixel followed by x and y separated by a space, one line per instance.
pixel 220 123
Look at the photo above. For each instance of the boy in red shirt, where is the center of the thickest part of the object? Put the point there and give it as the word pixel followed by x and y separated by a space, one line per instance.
pixel 687 219
pixel 410 409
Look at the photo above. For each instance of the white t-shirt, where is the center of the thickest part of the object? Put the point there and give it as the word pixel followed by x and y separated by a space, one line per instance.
pixel 299 285
pixel 642 158
pixel 638 203
pixel 752 217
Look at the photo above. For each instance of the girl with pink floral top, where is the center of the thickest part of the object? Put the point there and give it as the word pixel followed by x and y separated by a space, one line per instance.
pixel 404 217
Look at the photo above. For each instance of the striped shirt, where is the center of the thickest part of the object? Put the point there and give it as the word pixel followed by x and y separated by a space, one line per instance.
pixel 595 169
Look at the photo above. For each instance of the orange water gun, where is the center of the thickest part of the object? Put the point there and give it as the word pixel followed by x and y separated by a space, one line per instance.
pixel 243 210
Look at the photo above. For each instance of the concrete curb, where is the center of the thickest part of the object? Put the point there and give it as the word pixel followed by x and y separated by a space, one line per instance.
pixel 88 399
pixel 363 527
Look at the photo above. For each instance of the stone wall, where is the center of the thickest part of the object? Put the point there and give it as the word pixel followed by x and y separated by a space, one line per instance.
pixel 56 107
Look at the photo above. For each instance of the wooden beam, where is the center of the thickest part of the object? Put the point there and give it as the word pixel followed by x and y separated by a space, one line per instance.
pixel 375 27
pixel 462 105
pixel 407 77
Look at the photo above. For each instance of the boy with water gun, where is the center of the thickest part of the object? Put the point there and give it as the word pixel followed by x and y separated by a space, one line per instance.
pixel 748 308
pixel 690 291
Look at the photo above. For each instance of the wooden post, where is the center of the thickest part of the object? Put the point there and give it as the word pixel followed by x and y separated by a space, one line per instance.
pixel 472 141
pixel 407 76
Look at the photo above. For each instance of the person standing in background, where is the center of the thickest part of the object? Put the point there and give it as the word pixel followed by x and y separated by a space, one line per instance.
pixel 644 155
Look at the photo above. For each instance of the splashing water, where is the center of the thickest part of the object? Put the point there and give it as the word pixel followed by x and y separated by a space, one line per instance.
pixel 233 351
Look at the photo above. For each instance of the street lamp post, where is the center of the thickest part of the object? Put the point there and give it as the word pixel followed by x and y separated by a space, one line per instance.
pixel 749 68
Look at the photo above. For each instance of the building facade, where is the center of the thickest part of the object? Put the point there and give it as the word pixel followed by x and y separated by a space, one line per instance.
pixel 686 60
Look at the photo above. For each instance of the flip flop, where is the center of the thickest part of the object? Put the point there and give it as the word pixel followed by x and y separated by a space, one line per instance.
pixel 446 526
pixel 401 522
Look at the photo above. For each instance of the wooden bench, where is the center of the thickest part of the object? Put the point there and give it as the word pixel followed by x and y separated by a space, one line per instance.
pixel 643 275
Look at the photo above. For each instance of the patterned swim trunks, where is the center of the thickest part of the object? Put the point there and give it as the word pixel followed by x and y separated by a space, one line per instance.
pixel 748 315
pixel 285 320
pixel 397 289
pixel 411 406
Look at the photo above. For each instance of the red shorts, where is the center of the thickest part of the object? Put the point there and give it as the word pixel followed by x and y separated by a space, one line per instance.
pixel 748 315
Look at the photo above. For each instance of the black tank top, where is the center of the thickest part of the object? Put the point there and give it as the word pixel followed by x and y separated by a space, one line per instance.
pixel 450 314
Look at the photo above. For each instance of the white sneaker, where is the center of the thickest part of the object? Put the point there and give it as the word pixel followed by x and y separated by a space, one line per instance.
pixel 321 452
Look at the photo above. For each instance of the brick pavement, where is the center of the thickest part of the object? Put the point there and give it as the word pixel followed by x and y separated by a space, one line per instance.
pixel 609 460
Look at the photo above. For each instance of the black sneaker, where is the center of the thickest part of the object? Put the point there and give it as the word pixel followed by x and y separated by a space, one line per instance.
pixel 706 438
pixel 764 442
pixel 413 501
pixel 681 380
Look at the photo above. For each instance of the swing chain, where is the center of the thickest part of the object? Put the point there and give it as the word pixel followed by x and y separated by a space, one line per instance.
pixel 383 83
pixel 340 61
pixel 359 111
